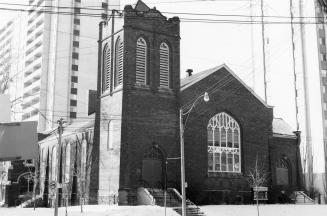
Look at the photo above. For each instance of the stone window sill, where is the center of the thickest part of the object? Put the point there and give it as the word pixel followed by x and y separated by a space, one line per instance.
pixel 224 175
pixel 141 86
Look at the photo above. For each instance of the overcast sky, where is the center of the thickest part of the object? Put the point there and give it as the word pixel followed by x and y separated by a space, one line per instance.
pixel 206 45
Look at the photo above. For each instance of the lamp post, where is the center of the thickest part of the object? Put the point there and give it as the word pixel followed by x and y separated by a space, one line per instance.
pixel 60 132
pixel 186 113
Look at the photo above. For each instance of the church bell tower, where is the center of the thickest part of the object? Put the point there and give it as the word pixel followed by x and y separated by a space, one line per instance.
pixel 138 92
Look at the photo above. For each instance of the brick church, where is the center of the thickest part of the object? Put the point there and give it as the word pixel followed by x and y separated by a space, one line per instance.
pixel 131 151
pixel 137 131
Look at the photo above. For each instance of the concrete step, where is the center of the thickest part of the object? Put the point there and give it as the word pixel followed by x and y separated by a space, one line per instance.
pixel 159 196
pixel 190 211
pixel 174 201
pixel 302 198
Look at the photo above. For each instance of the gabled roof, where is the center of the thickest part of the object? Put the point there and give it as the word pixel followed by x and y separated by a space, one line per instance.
pixel 282 128
pixel 141 6
pixel 190 80
pixel 72 129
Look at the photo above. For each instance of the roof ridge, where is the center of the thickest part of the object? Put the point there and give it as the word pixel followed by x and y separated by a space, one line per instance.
pixel 194 79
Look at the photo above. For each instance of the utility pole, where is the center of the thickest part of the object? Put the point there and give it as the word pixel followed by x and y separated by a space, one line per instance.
pixel 181 128
pixel 308 163
pixel 263 51
pixel 252 45
pixel 60 131
pixel 294 69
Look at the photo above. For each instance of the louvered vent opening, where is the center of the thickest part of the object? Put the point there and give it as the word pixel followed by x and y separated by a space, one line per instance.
pixel 141 59
pixel 108 69
pixel 164 65
pixel 119 62
pixel 119 58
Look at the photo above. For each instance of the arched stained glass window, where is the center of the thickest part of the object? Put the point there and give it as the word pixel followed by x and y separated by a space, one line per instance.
pixel 106 68
pixel 119 60
pixel 224 149
pixel 164 65
pixel 141 61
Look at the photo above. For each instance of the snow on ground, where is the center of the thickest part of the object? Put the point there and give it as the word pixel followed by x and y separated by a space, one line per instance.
pixel 265 210
pixel 91 210
pixel 213 210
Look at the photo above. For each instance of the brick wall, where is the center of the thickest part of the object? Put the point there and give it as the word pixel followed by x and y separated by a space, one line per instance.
pixel 285 148
pixel 150 113
pixel 143 115
pixel 255 120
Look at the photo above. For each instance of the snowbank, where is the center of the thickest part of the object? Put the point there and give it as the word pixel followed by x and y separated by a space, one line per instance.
pixel 265 210
pixel 91 210
pixel 213 210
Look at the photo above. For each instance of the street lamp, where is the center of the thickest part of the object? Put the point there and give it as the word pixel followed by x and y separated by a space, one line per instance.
pixel 186 113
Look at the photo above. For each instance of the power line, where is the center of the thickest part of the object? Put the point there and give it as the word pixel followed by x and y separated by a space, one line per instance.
pixel 184 19
pixel 238 15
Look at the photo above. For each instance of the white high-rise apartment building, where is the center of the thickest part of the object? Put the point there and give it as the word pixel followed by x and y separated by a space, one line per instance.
pixel 60 59
pixel 12 37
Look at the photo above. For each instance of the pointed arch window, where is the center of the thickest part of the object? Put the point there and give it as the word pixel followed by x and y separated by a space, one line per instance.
pixel 83 159
pixel 106 82
pixel 224 144
pixel 141 61
pixel 54 163
pixel 43 164
pixel 67 163
pixel 164 65
pixel 283 171
pixel 119 60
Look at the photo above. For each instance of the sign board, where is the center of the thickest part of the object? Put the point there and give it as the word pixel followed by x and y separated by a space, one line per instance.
pixel 260 193
pixel 5 109
pixel 18 141
pixel 53 185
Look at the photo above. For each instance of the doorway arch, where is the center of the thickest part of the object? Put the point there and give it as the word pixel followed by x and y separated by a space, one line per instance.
pixel 283 172
pixel 152 167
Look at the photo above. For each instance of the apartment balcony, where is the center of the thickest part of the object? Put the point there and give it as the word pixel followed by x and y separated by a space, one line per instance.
pixel 29 95
pixel 27 74
pixel 38 33
pixel 29 61
pixel 31 49
pixel 34 41
pixel 34 65
pixel 31 116
pixel 29 41
pixel 30 30
pixel 32 59
pixel 39 22
pixel 31 84
pixel 36 17
pixel 30 81
pixel 31 104
pixel 37 26
pixel 32 74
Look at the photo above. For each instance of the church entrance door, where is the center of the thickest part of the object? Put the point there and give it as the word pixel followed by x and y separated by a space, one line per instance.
pixel 152 172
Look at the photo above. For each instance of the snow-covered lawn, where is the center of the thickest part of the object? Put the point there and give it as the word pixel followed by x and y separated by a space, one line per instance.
pixel 218 210
pixel 91 210
pixel 265 210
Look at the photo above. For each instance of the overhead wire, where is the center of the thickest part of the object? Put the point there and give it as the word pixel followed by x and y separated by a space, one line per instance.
pixel 207 20
pixel 183 19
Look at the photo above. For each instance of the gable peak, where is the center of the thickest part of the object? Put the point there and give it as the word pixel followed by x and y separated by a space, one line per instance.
pixel 141 6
